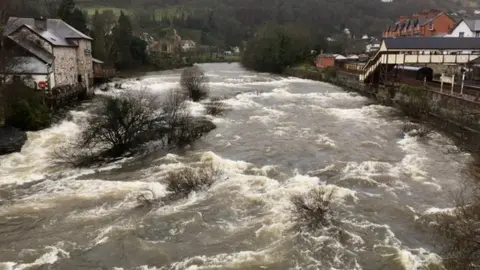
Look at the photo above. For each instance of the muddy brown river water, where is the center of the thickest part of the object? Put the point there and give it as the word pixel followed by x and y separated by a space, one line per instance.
pixel 282 137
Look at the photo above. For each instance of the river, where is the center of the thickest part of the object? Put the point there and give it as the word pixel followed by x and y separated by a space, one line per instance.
pixel 282 137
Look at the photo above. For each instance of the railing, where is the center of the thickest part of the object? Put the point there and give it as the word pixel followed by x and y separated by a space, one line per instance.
pixel 104 73
pixel 400 58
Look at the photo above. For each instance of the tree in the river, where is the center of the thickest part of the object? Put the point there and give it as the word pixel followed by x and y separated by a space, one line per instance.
pixel 313 209
pixel 274 48
pixel 460 228
pixel 122 123
pixel 194 83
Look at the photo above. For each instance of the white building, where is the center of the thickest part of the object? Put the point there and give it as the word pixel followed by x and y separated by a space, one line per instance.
pixel 188 45
pixel 466 28
pixel 49 51
pixel 372 47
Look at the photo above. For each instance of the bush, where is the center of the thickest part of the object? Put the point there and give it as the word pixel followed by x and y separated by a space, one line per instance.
pixel 121 124
pixel 194 83
pixel 216 107
pixel 24 108
pixel 181 183
pixel 459 230
pixel 313 209
pixel 329 73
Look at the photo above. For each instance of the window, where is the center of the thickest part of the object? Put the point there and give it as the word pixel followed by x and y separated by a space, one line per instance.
pixel 477 34
pixel 461 34
pixel 430 27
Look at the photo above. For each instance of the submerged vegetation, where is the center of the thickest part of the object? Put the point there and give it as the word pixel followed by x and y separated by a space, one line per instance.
pixel 313 210
pixel 181 183
pixel 121 124
pixel 459 228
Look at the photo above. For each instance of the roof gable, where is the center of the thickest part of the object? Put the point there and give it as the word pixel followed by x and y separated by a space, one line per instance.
pixel 473 24
pixel 55 27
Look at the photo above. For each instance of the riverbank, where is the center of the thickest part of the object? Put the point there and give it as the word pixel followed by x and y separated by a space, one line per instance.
pixel 455 117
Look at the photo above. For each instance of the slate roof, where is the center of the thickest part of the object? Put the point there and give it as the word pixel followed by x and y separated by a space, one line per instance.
pixel 33 48
pixel 473 24
pixel 432 43
pixel 28 65
pixel 55 28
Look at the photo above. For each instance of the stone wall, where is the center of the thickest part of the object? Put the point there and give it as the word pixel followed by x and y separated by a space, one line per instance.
pixel 65 66
pixel 84 60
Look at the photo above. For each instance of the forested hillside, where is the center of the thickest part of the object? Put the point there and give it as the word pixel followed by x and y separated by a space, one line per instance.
pixel 360 16
pixel 226 23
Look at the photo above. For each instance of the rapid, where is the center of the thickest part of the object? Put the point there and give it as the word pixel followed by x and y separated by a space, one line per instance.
pixel 282 137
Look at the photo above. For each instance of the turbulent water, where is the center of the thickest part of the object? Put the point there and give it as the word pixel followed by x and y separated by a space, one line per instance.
pixel 282 137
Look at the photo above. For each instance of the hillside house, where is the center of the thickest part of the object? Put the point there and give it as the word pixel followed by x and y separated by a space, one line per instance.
pixel 424 24
pixel 50 52
pixel 188 45
pixel 466 28
pixel 170 43
pixel 325 60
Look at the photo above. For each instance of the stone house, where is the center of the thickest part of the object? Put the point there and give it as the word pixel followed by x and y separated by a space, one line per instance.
pixel 170 43
pixel 49 51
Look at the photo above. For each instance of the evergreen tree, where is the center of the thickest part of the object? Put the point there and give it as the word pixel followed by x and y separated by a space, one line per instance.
pixel 98 35
pixel 65 9
pixel 123 35
pixel 72 15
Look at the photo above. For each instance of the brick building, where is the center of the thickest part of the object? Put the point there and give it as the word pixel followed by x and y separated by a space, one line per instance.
pixel 424 24
pixel 325 60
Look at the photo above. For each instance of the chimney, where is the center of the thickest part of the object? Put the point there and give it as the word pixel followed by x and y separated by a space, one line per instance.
pixel 41 23
pixel 403 18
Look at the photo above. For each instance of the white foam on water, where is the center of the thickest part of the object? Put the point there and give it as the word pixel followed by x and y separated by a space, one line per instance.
pixel 50 194
pixel 196 109
pixel 413 164
pixel 324 141
pixel 242 260
pixel 227 165
pixel 51 256
pixel 417 259
pixel 436 210
pixel 34 160
pixel 367 170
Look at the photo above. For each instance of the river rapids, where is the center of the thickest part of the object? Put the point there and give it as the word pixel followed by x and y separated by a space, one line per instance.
pixel 282 137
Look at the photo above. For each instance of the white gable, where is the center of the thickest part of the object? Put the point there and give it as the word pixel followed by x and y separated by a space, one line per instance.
pixel 462 27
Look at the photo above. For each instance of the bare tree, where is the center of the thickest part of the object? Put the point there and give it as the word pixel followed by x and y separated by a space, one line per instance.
pixel 459 229
pixel 313 209
pixel 216 107
pixel 194 83
pixel 182 182
pixel 121 124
